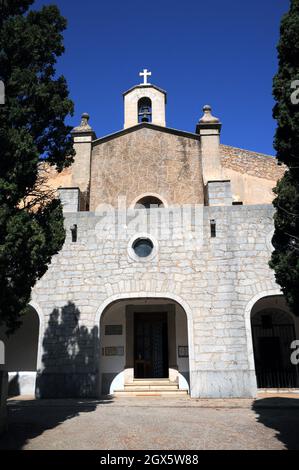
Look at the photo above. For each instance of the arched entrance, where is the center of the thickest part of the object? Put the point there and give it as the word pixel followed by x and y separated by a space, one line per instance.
pixel 144 347
pixel 273 331
pixel 21 354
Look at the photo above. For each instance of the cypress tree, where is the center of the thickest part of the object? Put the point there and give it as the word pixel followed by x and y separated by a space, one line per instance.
pixel 32 129
pixel 285 258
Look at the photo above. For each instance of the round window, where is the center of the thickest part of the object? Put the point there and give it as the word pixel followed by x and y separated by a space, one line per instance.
pixel 143 247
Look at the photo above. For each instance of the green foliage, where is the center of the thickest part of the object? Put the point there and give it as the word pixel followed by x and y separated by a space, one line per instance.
pixel 285 112
pixel 285 258
pixel 31 126
pixel 13 7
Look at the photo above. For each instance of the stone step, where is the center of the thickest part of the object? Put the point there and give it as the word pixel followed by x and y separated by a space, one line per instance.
pixel 151 382
pixel 150 387
pixel 168 393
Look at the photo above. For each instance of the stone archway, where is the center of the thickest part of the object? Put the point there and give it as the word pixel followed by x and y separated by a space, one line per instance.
pixel 273 329
pixel 118 361
pixel 22 353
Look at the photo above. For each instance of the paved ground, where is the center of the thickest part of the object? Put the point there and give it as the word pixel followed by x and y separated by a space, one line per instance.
pixel 271 422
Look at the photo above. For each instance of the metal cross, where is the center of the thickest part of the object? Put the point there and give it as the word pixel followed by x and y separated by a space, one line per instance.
pixel 145 74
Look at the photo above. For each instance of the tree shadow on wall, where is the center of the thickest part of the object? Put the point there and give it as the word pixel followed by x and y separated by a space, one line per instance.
pixel 68 383
pixel 69 357
pixel 282 415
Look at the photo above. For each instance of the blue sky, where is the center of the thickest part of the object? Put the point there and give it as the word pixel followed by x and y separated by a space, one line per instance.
pixel 220 52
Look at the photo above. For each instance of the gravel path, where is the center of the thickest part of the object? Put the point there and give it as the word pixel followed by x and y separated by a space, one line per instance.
pixel 153 423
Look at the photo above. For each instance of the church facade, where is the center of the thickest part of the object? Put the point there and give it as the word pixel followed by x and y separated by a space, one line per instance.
pixel 163 285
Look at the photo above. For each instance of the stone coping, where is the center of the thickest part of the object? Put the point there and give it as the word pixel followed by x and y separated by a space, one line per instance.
pixel 145 85
pixel 147 125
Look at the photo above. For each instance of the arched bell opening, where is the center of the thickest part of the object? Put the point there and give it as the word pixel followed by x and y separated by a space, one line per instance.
pixel 144 110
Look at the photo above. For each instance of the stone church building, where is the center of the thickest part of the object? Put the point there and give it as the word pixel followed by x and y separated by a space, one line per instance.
pixel 163 285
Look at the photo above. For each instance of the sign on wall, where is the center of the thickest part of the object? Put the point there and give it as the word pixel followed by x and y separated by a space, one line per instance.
pixel 183 351
pixel 113 330
pixel 113 351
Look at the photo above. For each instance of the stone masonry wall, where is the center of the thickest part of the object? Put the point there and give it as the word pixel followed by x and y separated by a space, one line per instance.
pixel 216 279
pixel 252 163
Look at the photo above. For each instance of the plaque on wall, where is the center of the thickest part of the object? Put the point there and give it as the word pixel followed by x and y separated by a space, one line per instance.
pixel 114 351
pixel 113 329
pixel 183 351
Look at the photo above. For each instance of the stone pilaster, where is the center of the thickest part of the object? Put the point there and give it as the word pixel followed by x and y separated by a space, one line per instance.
pixel 219 193
pixel 83 136
pixel 70 199
pixel 217 189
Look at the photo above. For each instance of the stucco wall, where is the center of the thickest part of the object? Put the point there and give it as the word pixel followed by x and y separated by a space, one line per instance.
pixel 250 189
pixel 146 161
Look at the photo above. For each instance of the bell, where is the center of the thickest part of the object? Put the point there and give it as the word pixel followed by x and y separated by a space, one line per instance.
pixel 144 110
pixel 145 113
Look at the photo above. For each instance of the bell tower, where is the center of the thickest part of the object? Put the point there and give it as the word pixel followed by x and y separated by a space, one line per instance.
pixel 144 103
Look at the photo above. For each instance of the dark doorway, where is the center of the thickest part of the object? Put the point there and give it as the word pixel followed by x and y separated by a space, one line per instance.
pixel 270 352
pixel 150 345
pixel 272 356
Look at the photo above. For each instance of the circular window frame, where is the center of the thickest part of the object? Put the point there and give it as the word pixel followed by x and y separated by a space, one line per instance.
pixel 142 259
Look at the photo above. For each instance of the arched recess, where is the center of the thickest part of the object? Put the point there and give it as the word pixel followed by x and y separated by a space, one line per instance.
pixel 271 328
pixel 141 299
pixel 248 310
pixel 23 352
pixel 149 202
pixel 157 199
